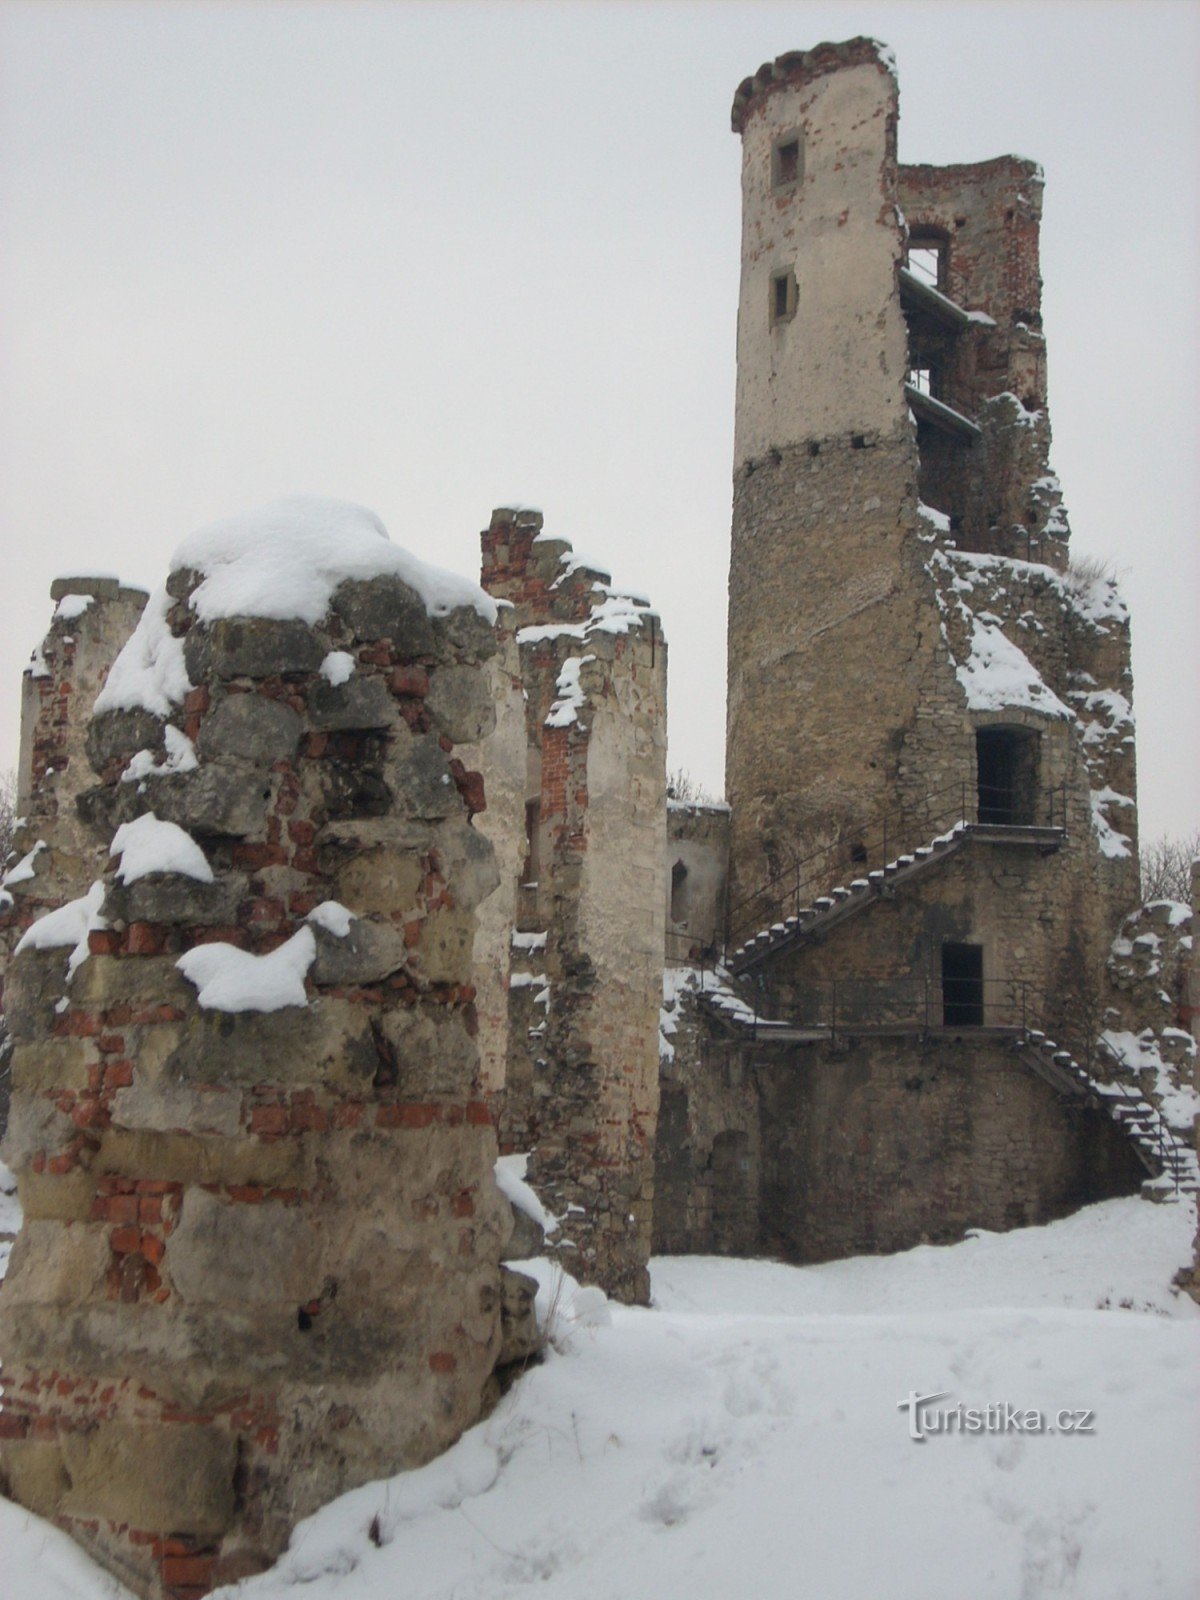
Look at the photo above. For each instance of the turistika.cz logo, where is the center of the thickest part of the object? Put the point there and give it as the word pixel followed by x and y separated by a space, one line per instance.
pixel 925 1418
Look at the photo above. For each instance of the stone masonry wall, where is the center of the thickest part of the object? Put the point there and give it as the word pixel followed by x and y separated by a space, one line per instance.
pixel 871 1146
pixel 260 1259
pixel 582 1080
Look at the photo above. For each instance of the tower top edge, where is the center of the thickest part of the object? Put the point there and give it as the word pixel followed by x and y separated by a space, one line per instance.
pixel 796 67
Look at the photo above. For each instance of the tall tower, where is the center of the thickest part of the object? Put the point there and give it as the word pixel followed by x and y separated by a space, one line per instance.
pixel 826 605
pixel 906 647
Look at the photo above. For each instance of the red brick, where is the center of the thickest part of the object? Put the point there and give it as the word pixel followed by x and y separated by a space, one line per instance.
pixel 104 942
pixel 118 1075
pixel 124 1241
pixel 144 939
pixel 301 832
pixel 153 1248
pixel 411 681
pixel 442 1361
pixel 269 1119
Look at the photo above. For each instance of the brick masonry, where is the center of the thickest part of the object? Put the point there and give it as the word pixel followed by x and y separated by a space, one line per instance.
pixel 261 1251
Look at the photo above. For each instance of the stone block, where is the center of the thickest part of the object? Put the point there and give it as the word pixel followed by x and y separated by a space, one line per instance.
pixel 102 982
pixel 357 703
pixel 464 632
pixel 445 950
pixel 57 1265
pixel 34 983
pixel 386 608
pixel 468 862
pixel 433 1052
pixel 189 1488
pixel 34 1124
pixel 165 1107
pixel 52 1064
pixel 379 882
pixel 36 1473
pixel 215 798
pixel 121 734
pixel 249 729
pixel 460 703
pixel 230 1253
pixel 419 777
pixel 520 1336
pixel 170 898
pixel 56 1197
pixel 252 647
pixel 327 1042
pixel 104 808
pixel 368 952
pixel 187 1158
pixel 527 1238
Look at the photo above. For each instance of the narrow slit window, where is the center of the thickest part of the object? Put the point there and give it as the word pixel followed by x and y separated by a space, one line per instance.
pixel 787 166
pixel 783 296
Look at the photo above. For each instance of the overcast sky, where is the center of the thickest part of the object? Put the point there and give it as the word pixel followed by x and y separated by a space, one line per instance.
pixel 434 257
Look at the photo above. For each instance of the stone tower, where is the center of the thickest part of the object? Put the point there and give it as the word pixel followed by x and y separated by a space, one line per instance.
pixel 891 425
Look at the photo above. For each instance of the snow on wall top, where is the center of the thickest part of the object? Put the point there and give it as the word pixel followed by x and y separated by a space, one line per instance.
pixel 998 675
pixel 282 561
pixel 286 559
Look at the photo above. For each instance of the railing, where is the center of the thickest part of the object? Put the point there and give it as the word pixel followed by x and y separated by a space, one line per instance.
pixel 853 1006
pixel 885 839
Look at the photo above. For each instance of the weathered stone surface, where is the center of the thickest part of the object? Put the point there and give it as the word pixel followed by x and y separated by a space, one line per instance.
pixel 386 608
pixel 358 703
pixel 369 951
pixel 445 949
pixel 59 1197
pixel 189 1489
pixel 527 1240
pixel 521 1338
pixel 121 734
pixel 327 1042
pixel 228 1253
pixel 251 647
pixel 103 809
pixel 469 860
pixel 432 1050
pixel 250 729
pixel 418 774
pixel 138 981
pixel 153 1104
pixel 379 882
pixel 37 1476
pixel 467 633
pixel 186 1158
pixel 215 798
pixel 52 1265
pixel 34 1125
pixel 168 897
pixel 52 1064
pixel 35 982
pixel 460 703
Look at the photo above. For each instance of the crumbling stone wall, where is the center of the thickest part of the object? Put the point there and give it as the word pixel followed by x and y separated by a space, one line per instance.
pixel 873 1145
pixel 582 1081
pixel 697 879
pixel 260 1258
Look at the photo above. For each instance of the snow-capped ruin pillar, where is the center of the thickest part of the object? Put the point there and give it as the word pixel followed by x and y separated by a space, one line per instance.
pixel 260 1258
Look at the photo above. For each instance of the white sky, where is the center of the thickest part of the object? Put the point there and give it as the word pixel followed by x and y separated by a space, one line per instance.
pixel 435 257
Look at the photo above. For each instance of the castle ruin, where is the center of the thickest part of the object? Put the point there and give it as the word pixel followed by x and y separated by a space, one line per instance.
pixel 326 896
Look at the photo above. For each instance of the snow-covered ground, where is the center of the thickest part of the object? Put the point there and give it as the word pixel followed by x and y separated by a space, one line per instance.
pixel 744 1438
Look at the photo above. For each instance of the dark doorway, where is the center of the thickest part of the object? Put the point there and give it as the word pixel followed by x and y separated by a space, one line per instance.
pixel 1007 763
pixel 962 985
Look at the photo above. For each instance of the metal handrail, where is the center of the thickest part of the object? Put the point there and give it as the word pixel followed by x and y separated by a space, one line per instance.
pixel 844 1006
pixel 885 839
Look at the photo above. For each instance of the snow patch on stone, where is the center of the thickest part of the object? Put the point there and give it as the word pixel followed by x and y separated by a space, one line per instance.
pixel 68 925
pixel 148 844
pixel 229 979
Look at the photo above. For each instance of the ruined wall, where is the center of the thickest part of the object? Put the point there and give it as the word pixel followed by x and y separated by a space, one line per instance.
pixel 873 1146
pixel 56 855
pixel 582 1071
pixel 260 1258
pixel 697 879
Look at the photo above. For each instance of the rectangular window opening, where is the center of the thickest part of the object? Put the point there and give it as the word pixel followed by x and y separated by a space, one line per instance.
pixel 783 296
pixel 962 985
pixel 925 263
pixel 787 161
